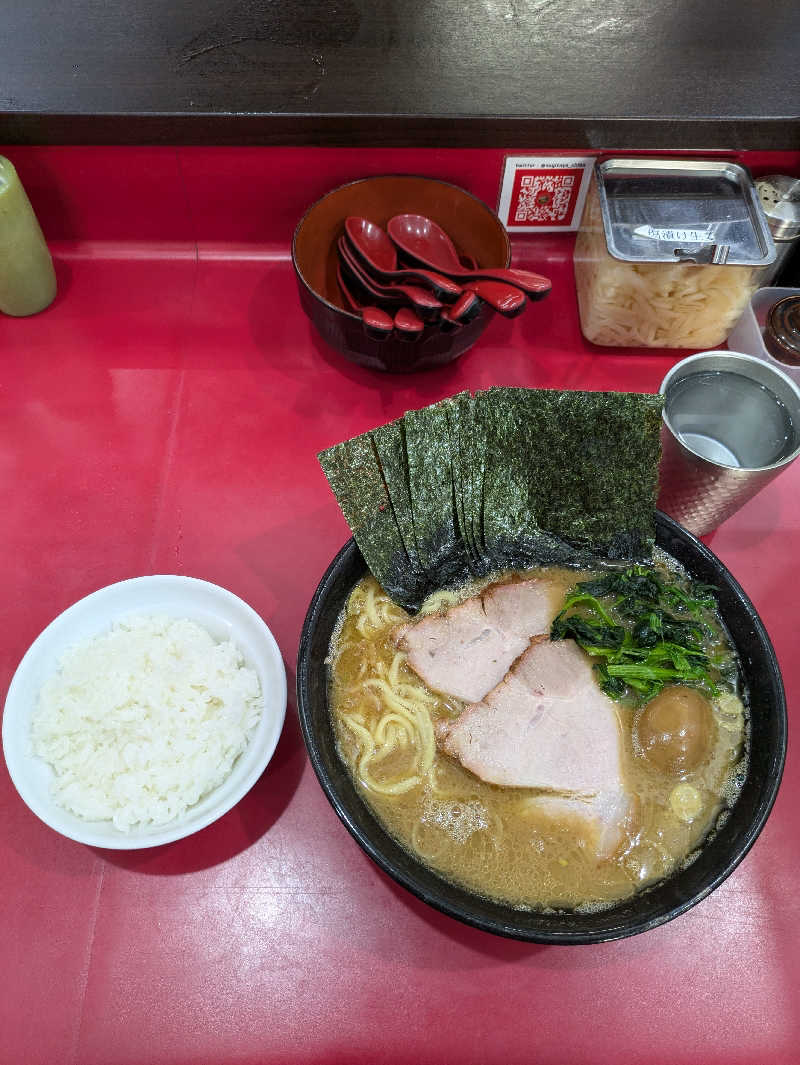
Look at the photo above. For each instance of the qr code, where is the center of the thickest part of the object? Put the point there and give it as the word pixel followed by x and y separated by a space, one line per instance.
pixel 545 198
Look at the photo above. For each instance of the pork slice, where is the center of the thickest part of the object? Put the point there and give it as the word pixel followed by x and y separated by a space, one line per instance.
pixel 527 732
pixel 549 727
pixel 606 821
pixel 468 650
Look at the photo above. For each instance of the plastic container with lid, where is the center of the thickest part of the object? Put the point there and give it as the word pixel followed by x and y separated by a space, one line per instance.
pixel 669 252
pixel 782 330
pixel 770 329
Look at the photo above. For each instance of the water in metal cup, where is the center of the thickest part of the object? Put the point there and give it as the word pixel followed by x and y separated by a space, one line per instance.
pixel 731 424
pixel 731 419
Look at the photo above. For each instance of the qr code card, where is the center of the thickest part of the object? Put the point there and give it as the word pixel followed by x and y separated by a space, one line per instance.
pixel 544 192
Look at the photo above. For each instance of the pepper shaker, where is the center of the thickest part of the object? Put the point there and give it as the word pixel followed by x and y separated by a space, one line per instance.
pixel 780 199
pixel 27 277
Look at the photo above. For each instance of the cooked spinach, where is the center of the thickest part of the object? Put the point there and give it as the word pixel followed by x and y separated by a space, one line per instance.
pixel 647 630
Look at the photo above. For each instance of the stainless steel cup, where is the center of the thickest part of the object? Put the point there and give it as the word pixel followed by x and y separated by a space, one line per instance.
pixel 731 423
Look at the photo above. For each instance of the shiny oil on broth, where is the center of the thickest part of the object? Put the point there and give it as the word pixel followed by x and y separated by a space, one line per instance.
pixel 482 836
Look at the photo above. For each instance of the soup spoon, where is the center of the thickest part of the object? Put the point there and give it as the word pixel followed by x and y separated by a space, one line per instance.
pixel 505 299
pixel 425 241
pixel 372 246
pixel 409 326
pixel 466 307
pixel 377 323
pixel 423 300
pixel 406 322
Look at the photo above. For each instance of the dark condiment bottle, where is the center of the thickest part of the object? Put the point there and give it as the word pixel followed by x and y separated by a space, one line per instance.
pixel 782 330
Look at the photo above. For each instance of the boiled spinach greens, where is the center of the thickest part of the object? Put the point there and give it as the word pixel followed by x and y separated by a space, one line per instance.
pixel 646 629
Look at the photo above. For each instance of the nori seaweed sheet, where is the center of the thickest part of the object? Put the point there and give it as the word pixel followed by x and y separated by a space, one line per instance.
pixel 478 470
pixel 390 449
pixel 507 515
pixel 430 478
pixel 355 476
pixel 509 478
pixel 512 533
pixel 456 473
pixel 462 415
pixel 593 467
pixel 457 408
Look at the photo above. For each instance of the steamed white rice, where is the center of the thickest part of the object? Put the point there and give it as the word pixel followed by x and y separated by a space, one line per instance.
pixel 141 723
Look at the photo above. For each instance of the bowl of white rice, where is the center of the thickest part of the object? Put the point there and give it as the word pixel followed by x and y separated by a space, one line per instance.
pixel 144 712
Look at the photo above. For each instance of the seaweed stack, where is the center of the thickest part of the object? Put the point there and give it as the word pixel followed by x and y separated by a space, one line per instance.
pixel 506 478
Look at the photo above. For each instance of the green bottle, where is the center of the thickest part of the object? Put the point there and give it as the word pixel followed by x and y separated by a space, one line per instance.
pixel 27 278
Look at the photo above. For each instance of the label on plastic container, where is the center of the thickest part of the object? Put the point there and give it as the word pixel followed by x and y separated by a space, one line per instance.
pixel 674 235
pixel 541 193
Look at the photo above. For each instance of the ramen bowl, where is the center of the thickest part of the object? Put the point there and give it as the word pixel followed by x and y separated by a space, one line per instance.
pixel 476 231
pixel 732 837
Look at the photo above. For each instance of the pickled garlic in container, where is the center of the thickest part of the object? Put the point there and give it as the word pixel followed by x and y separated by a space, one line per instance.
pixel 668 253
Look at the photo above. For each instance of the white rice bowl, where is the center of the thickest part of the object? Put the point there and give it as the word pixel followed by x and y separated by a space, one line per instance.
pixel 231 714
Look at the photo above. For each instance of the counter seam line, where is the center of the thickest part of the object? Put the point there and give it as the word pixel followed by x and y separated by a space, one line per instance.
pixel 75 1058
pixel 172 439
pixel 187 201
pixel 169 459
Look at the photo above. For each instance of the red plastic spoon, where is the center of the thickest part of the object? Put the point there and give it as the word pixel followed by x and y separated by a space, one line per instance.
pixel 377 323
pixel 370 243
pixel 507 300
pixel 466 307
pixel 407 324
pixel 425 241
pixel 422 300
pixel 372 246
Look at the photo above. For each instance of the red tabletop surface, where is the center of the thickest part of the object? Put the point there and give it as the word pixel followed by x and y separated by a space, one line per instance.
pixel 163 416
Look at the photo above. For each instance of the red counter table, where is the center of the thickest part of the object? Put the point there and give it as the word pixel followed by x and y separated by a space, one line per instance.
pixel 163 416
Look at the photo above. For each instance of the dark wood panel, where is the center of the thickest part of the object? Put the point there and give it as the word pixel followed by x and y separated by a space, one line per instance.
pixel 516 73
pixel 387 131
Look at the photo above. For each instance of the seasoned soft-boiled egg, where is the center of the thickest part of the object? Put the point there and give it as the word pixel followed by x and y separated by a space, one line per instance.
pixel 676 730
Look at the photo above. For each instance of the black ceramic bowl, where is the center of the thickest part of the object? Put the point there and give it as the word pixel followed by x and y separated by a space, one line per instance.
pixel 721 853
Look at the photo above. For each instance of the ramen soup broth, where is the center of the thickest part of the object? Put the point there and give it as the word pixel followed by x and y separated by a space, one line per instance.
pixel 487 838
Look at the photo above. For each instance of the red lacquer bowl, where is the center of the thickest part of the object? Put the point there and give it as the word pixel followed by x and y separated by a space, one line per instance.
pixel 475 230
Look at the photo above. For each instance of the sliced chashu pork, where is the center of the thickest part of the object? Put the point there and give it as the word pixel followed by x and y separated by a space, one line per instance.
pixel 468 650
pixel 548 726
